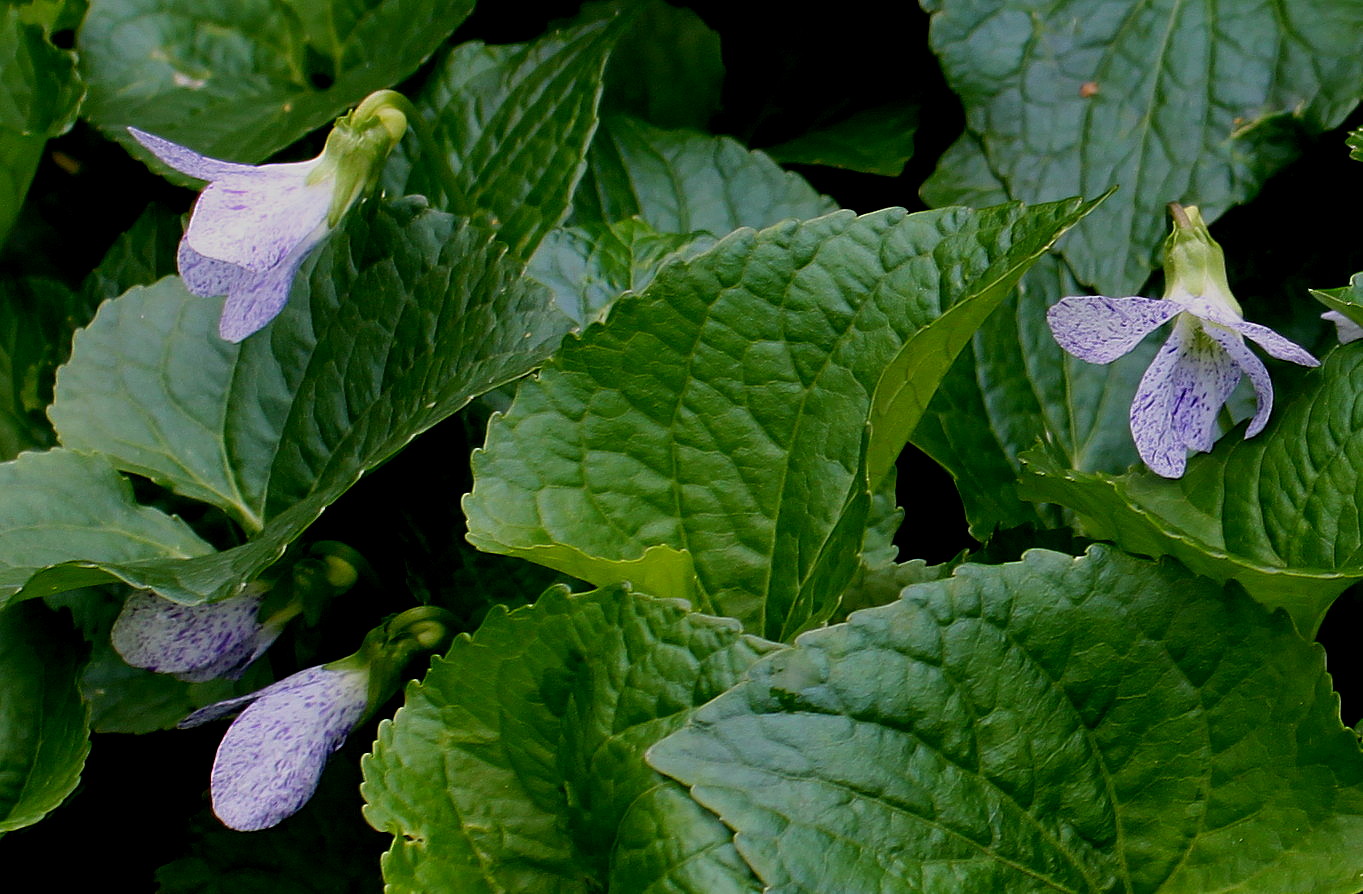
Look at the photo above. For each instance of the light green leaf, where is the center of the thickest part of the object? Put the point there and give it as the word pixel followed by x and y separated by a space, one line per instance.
pixel 706 441
pixel 680 181
pixel 588 267
pixel 517 763
pixel 873 141
pixel 1171 101
pixel 242 79
pixel 1279 513
pixel 397 322
pixel 516 121
pixel 73 510
pixel 1055 724
pixel 44 725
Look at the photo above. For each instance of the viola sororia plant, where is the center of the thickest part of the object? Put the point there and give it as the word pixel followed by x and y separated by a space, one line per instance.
pixel 638 446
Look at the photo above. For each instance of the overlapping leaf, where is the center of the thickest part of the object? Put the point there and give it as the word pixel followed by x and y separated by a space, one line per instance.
pixel 1054 724
pixel 1279 513
pixel 517 763
pixel 44 725
pixel 242 79
pixel 400 320
pixel 876 141
pixel 1171 101
pixel 516 121
pixel 707 440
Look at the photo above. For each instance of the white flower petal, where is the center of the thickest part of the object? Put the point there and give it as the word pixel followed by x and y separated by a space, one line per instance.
pixel 186 160
pixel 1240 353
pixel 1151 426
pixel 1100 330
pixel 255 219
pixel 1275 344
pixel 194 642
pixel 207 277
pixel 270 760
pixel 1346 329
pixel 1201 380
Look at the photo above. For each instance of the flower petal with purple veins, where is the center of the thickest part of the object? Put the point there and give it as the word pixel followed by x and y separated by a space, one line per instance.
pixel 186 160
pixel 208 277
pixel 1100 330
pixel 193 642
pixel 256 218
pixel 258 300
pixel 1274 344
pixel 269 762
pixel 1202 379
pixel 1248 361
pixel 1346 330
pixel 1151 420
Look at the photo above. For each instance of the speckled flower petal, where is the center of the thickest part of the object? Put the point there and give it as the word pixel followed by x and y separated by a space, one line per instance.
pixel 1242 356
pixel 256 218
pixel 207 277
pixel 1275 344
pixel 273 754
pixel 1178 398
pixel 1100 330
pixel 186 160
pixel 193 642
pixel 256 301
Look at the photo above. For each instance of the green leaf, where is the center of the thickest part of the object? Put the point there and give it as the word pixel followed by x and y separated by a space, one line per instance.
pixel 873 141
pixel 667 68
pixel 516 121
pixel 1055 724
pixel 1275 513
pixel 681 181
pixel 397 322
pixel 517 763
pixel 1171 101
pixel 37 318
pixel 706 441
pixel 39 88
pixel 139 256
pixel 19 157
pixel 242 79
pixel 44 725
pixel 73 510
pixel 1013 388
pixel 588 267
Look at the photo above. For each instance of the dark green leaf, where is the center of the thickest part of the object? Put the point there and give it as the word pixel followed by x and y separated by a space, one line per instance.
pixel 44 725
pixel 874 141
pixel 706 441
pixel 139 257
pixel 680 181
pixel 517 763
pixel 1057 724
pixel 39 88
pixel 242 79
pixel 1171 101
pixel 516 121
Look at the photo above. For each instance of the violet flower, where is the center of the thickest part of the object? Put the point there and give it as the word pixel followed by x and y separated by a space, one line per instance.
pixel 253 225
pixel 272 756
pixel 1345 329
pixel 194 642
pixel 1192 376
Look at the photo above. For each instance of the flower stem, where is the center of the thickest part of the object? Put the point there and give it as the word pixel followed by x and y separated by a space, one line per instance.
pixel 457 201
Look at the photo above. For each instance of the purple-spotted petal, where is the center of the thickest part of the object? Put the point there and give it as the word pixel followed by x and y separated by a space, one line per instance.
pixel 258 300
pixel 1242 356
pixel 194 642
pixel 256 218
pixel 1178 398
pixel 207 277
pixel 1275 344
pixel 1100 330
pixel 186 160
pixel 272 756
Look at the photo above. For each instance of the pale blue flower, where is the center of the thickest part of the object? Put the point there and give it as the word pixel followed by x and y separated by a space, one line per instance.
pixel 1192 376
pixel 1345 329
pixel 273 754
pixel 194 642
pixel 253 225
